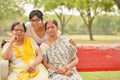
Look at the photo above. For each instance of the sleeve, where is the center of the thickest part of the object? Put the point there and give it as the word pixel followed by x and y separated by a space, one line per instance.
pixel 71 49
pixel 65 39
pixel 5 47
pixel 35 44
pixel 43 49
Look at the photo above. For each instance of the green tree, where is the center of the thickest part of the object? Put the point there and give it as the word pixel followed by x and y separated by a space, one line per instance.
pixel 106 24
pixel 61 5
pixel 10 10
pixel 52 5
pixel 89 9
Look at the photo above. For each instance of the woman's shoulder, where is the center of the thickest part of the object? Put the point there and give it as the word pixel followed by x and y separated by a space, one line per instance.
pixel 64 37
pixel 44 44
pixel 28 38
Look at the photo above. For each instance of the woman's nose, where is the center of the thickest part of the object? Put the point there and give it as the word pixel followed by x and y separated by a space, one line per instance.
pixel 19 31
pixel 50 29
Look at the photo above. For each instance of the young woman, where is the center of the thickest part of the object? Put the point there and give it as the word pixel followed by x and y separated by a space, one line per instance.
pixel 36 29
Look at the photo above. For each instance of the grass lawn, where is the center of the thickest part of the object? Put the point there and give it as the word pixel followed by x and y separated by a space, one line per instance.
pixel 100 75
pixel 98 39
pixel 0 53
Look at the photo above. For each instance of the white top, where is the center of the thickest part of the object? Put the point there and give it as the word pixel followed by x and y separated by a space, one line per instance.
pixel 31 33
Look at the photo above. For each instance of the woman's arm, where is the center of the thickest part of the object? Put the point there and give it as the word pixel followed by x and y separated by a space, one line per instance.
pixel 36 62
pixel 49 66
pixel 67 67
pixel 39 57
pixel 7 51
pixel 72 63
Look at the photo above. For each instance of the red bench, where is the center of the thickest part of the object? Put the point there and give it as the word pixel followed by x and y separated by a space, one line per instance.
pixel 98 57
pixel 91 58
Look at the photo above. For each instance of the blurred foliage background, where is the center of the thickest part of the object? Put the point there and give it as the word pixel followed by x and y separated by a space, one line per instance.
pixel 94 17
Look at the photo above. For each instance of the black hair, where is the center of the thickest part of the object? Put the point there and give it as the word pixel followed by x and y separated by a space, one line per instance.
pixel 51 20
pixel 12 28
pixel 37 13
pixel 3 43
pixel 17 23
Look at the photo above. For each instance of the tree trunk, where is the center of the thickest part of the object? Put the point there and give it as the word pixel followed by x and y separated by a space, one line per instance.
pixel 90 30
pixel 62 28
pixel 118 3
pixel 0 30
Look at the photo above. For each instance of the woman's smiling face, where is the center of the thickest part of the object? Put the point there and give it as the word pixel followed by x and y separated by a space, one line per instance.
pixel 18 31
pixel 36 22
pixel 51 29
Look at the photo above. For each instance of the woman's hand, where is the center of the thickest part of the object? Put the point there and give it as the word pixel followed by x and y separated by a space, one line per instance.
pixel 68 73
pixel 7 52
pixel 13 39
pixel 49 66
pixel 72 42
pixel 61 70
pixel 54 68
pixel 64 71
pixel 31 68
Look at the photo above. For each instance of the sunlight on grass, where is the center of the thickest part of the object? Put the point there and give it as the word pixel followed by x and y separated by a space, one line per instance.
pixel 99 75
pixel 98 39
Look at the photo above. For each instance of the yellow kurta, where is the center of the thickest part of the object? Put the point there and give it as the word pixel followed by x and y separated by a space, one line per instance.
pixel 22 57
